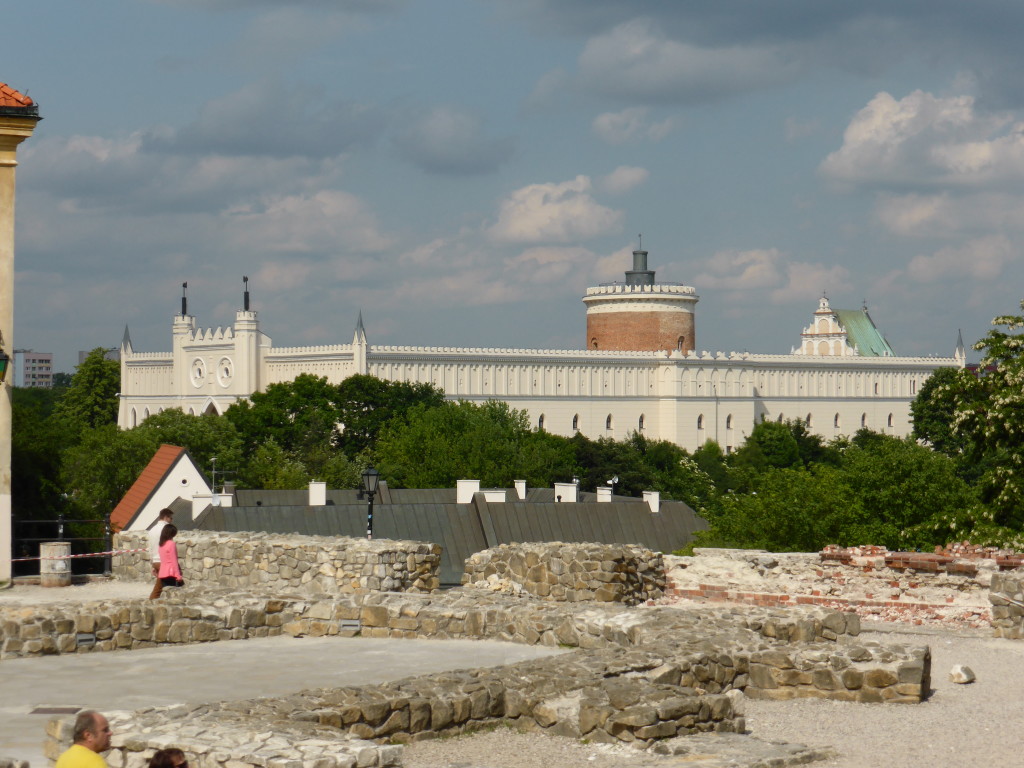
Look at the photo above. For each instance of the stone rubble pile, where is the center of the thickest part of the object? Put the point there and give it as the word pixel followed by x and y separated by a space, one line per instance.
pixel 570 572
pixel 871 581
pixel 331 565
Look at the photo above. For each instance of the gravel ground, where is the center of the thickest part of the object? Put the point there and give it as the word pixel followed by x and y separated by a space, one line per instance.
pixel 101 589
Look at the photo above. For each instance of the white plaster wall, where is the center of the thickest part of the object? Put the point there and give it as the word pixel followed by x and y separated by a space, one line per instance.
pixel 670 392
pixel 183 481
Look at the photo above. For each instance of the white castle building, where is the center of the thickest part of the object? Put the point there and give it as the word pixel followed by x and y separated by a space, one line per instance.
pixel 639 372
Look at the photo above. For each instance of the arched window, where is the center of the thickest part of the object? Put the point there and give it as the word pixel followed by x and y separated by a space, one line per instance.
pixel 145 414
pixel 876 387
pixel 640 424
pixel 913 386
pixel 593 343
pixel 700 421
pixel 863 420
pixel 807 421
pixel 780 419
pixel 576 423
pixel 889 422
pixel 540 423
pixel 608 422
pixel 728 421
pixel 680 343
pixel 191 411
pixel 135 417
pixel 835 421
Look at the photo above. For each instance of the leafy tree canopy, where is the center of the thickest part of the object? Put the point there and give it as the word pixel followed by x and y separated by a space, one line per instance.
pixel 366 404
pixel 91 400
pixel 990 419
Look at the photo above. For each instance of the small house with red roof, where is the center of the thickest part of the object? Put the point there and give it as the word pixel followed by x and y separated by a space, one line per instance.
pixel 172 480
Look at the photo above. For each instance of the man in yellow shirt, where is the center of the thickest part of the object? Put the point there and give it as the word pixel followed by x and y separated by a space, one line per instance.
pixel 91 736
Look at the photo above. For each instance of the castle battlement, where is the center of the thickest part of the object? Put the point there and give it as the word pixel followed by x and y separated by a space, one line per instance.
pixel 617 289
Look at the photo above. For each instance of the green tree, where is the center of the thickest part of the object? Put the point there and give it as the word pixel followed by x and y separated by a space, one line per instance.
pixel 103 465
pixel 36 445
pixel 489 442
pixel 792 510
pixel 935 406
pixel 91 400
pixel 299 416
pixel 273 468
pixel 675 473
pixel 711 460
pixel 990 420
pixel 910 494
pixel 366 404
pixel 603 459
pixel 204 437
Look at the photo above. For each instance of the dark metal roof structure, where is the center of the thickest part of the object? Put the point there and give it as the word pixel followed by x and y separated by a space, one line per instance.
pixel 460 529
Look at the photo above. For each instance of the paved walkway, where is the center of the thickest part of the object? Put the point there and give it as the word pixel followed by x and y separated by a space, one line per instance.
pixel 204 672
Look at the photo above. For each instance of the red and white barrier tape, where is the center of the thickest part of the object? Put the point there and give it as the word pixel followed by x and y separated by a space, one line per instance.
pixel 72 557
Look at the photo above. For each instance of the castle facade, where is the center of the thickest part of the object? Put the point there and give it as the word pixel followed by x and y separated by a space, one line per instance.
pixel 639 372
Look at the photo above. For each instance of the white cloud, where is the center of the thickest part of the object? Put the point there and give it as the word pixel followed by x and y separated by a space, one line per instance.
pixel 554 213
pixel 631 124
pixel 981 259
pixel 806 281
pixel 327 222
pixel 623 179
pixel 923 139
pixel 636 61
pixel 741 270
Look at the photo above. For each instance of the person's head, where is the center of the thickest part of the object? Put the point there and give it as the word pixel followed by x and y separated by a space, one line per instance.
pixel 166 515
pixel 169 532
pixel 168 758
pixel 92 731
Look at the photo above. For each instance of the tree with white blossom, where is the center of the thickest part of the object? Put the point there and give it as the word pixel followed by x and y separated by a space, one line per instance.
pixel 989 417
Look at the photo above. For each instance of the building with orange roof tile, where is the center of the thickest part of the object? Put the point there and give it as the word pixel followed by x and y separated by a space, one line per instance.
pixel 170 478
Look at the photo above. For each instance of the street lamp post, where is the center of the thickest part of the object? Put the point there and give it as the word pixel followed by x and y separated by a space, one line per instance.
pixel 371 480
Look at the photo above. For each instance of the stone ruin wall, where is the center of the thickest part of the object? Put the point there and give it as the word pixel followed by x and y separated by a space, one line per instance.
pixel 1007 598
pixel 638 675
pixel 952 585
pixel 329 565
pixel 570 572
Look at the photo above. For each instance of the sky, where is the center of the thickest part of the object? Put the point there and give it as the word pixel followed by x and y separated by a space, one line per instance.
pixel 460 171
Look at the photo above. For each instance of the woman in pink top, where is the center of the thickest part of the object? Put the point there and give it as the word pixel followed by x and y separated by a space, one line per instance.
pixel 170 572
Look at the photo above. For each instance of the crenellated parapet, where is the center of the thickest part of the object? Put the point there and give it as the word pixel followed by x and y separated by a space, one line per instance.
pixel 617 289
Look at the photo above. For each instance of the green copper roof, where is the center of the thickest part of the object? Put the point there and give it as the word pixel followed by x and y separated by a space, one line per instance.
pixel 862 333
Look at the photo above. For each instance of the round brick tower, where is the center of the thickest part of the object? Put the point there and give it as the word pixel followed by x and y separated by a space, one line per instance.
pixel 640 314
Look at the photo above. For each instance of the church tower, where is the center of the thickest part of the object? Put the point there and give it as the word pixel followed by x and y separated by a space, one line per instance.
pixel 641 314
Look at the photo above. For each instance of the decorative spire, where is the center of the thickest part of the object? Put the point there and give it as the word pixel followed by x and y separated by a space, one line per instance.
pixel 184 299
pixel 126 340
pixel 961 351
pixel 245 293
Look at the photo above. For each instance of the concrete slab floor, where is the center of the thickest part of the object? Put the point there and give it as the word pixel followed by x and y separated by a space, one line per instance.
pixel 204 672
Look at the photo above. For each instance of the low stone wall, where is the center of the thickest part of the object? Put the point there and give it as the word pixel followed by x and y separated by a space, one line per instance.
pixel 311 564
pixel 638 675
pixel 1007 598
pixel 868 673
pixel 570 572
pixel 131 624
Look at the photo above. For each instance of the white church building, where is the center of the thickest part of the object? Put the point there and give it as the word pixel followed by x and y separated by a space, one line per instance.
pixel 640 371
